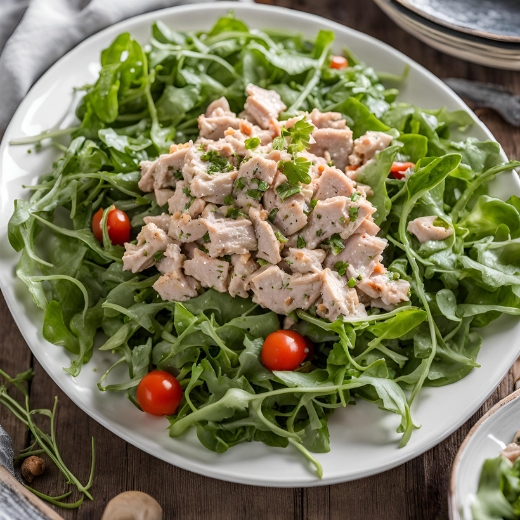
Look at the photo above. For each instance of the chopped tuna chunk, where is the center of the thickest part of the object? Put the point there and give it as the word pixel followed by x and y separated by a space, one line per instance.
pixel 305 260
pixel 338 299
pixel 333 183
pixel 391 292
pixel 215 126
pixel 336 142
pixel 219 106
pixel 186 229
pixel 164 171
pixel 213 188
pixel 263 105
pixel 329 217
pixel 210 272
pixel 283 293
pixel 366 146
pixel 243 267
pixel 269 245
pixel 162 196
pixel 290 213
pixel 327 119
pixel 359 211
pixel 362 254
pixel 194 165
pixel 424 229
pixel 254 178
pixel 368 226
pixel 150 240
pixel 227 237
pixel 174 285
pixel 183 201
pixel 161 221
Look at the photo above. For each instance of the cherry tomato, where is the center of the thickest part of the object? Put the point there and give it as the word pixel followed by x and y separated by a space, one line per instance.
pixel 338 62
pixel 159 393
pixel 398 168
pixel 284 350
pixel 118 225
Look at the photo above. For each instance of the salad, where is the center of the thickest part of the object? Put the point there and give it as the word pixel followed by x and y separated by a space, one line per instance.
pixel 261 233
pixel 498 494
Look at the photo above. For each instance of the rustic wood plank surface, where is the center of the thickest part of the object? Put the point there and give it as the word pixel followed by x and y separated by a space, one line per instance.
pixel 416 490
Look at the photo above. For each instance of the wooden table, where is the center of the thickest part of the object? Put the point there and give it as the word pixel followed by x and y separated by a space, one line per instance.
pixel 416 490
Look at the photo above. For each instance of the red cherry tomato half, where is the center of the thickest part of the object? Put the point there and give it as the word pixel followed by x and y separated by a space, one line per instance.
pixel 338 62
pixel 284 350
pixel 398 168
pixel 159 393
pixel 118 225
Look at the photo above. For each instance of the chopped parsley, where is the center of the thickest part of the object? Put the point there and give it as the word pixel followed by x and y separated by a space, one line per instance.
pixel 299 135
pixel 240 183
pixel 287 189
pixel 335 243
pixel 206 238
pixel 280 237
pixel 341 267
pixel 272 214
pixel 235 213
pixel 254 194
pixel 262 262
pixel 228 199
pixel 351 283
pixel 278 143
pixel 300 243
pixel 218 164
pixel 319 232
pixel 355 196
pixel 261 187
pixel 297 170
pixel 353 213
pixel 157 256
pixel 252 143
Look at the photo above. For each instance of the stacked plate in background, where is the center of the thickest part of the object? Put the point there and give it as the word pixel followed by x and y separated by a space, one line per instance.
pixel 482 31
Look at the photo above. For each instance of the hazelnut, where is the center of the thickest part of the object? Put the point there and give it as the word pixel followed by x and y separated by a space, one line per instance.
pixel 32 467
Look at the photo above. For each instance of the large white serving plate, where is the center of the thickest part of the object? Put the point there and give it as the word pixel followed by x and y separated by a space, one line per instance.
pixel 363 438
pixel 486 440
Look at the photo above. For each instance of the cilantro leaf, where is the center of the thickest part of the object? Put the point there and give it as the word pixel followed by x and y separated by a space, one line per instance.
pixel 300 243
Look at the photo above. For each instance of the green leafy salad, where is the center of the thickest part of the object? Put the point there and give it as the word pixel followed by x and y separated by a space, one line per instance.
pixel 146 99
pixel 498 495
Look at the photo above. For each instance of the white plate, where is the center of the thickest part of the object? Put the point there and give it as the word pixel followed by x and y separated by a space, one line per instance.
pixel 486 440
pixel 363 438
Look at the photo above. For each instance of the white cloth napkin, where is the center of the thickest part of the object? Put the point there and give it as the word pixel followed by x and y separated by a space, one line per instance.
pixel 36 33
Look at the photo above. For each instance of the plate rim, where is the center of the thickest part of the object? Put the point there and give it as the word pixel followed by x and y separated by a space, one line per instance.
pixel 459 28
pixel 197 467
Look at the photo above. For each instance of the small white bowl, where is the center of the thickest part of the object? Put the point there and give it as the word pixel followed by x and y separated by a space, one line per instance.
pixel 492 433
